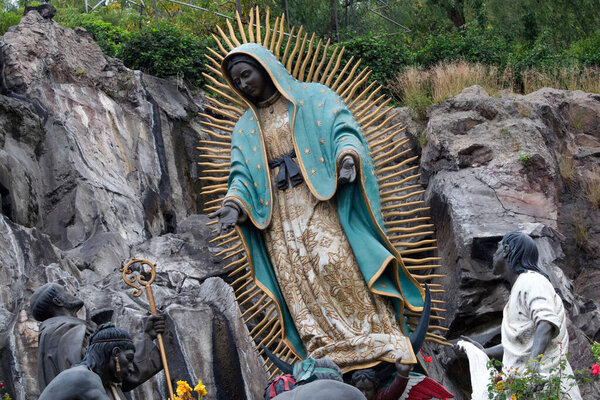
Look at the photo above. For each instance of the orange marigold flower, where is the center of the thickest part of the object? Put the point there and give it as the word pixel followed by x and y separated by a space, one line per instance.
pixel 183 388
pixel 500 386
pixel 200 388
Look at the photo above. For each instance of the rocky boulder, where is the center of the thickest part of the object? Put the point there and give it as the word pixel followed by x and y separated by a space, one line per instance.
pixel 98 166
pixel 494 165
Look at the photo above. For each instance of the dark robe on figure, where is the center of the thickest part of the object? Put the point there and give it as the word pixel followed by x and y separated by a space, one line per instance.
pixel 62 344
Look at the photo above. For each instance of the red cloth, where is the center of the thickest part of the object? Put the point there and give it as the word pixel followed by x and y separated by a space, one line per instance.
pixel 428 389
pixel 287 379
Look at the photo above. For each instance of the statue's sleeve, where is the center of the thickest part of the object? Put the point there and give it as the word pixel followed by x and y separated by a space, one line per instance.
pixel 61 346
pixel 146 364
pixel 394 390
pixel 247 185
pixel 347 137
pixel 239 181
pixel 538 298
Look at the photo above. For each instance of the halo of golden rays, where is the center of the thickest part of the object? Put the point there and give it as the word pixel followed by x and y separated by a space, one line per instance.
pixel 406 217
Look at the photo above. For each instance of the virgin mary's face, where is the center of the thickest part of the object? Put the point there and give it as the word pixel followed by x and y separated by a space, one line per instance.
pixel 251 81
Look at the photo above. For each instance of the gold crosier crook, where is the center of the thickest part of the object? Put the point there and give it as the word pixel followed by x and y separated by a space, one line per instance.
pixel 130 279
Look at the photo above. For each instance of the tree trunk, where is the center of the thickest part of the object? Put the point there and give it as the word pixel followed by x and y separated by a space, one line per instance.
pixel 334 20
pixel 287 15
pixel 457 17
pixel 456 12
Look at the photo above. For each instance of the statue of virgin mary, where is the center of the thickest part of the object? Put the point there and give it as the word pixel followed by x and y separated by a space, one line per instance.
pixel 303 194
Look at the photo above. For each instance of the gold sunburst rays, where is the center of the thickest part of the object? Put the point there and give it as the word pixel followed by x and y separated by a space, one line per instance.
pixel 403 208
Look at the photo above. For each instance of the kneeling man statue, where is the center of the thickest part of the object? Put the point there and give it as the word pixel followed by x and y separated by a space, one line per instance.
pixel 107 363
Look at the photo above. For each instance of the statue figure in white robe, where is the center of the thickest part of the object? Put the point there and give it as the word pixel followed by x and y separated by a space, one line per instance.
pixel 534 325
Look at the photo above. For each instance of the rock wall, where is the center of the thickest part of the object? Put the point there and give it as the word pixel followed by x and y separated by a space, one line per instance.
pixel 494 165
pixel 97 166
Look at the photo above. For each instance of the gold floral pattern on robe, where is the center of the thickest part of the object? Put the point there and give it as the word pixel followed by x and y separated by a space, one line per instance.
pixel 334 312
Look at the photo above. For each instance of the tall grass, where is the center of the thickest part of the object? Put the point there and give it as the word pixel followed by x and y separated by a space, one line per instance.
pixel 447 80
pixel 418 88
pixel 568 78
pixel 413 87
pixel 592 186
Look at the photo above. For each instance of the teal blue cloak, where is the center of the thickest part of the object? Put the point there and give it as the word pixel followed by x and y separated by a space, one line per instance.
pixel 323 132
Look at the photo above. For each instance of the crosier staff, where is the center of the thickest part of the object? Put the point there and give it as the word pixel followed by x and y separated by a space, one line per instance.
pixel 134 281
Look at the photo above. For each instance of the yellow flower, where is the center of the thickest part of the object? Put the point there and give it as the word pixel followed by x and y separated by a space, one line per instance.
pixel 514 397
pixel 200 388
pixel 183 388
pixel 500 386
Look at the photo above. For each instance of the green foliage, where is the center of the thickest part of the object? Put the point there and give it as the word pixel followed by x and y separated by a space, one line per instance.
pixel 524 157
pixel 166 51
pixel 8 19
pixel 587 50
pixel 528 383
pixel 108 36
pixel 5 395
pixel 562 21
pixel 540 55
pixel 472 43
pixel 524 41
pixel 596 350
pixel 385 56
pixel 418 102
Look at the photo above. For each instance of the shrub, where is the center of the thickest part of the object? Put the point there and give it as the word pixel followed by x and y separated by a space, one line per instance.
pixel 592 187
pixel 166 50
pixel 385 56
pixel 109 37
pixel 581 230
pixel 472 43
pixel 566 167
pixel 8 19
pixel 528 383
pixel 413 88
pixel 449 79
pixel 587 50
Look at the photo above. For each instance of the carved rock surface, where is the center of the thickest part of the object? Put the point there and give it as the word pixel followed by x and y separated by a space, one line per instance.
pixel 97 166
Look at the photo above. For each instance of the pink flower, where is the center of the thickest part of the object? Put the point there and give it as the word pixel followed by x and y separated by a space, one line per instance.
pixel 595 369
pixel 2 384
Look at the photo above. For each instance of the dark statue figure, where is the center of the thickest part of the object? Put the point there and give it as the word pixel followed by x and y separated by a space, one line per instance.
pixel 108 363
pixel 376 384
pixel 313 379
pixel 63 338
pixel 369 383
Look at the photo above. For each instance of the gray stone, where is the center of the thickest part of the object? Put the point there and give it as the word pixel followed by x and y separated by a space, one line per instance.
pixel 493 165
pixel 98 165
